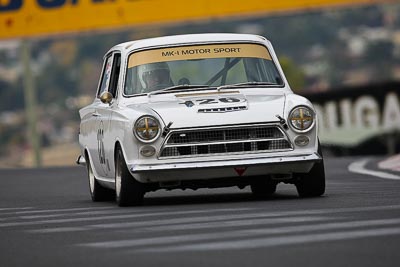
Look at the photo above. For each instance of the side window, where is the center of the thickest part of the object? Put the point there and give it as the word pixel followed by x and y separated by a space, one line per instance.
pixel 115 74
pixel 110 76
pixel 106 75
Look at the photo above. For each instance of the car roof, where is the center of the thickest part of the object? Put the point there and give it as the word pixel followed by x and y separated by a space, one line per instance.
pixel 188 39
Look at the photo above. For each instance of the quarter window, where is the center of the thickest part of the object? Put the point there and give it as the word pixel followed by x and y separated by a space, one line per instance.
pixel 110 75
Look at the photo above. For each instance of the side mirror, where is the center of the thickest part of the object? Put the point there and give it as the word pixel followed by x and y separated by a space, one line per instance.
pixel 106 97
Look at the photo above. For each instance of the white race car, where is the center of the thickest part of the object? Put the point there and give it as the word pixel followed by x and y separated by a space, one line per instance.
pixel 195 111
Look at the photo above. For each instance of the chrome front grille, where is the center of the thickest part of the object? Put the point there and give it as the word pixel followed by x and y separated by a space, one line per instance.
pixel 221 110
pixel 229 140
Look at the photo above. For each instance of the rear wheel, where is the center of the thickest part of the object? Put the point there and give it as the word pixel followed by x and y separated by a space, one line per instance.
pixel 128 191
pixel 263 188
pixel 312 184
pixel 97 192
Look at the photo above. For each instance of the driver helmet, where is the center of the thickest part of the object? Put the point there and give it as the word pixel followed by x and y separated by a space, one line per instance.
pixel 155 74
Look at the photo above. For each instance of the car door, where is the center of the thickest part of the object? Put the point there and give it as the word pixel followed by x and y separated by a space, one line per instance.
pixel 102 113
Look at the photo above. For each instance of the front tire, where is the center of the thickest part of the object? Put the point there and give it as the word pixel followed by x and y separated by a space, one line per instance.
pixel 97 192
pixel 263 188
pixel 312 184
pixel 128 191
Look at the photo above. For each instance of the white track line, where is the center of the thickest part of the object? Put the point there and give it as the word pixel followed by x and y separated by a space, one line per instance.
pixel 278 241
pixel 198 223
pixel 32 211
pixel 193 219
pixel 14 209
pixel 158 214
pixel 253 238
pixel 359 167
pixel 237 223
pixel 114 217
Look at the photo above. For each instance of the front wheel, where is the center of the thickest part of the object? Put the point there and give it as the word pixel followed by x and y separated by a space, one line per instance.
pixel 128 191
pixel 97 192
pixel 263 188
pixel 312 184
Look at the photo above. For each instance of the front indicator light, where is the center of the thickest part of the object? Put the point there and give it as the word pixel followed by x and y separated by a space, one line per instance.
pixel 147 151
pixel 301 118
pixel 147 129
pixel 301 140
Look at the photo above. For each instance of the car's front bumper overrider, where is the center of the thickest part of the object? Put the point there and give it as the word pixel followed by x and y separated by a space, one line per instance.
pixel 224 168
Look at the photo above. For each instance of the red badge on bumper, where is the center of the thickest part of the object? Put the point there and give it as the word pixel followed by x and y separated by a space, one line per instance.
pixel 240 170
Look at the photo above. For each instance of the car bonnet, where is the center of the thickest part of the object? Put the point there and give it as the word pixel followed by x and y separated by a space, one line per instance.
pixel 227 107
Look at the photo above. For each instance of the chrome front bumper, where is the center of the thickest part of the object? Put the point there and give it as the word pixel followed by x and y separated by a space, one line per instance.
pixel 224 168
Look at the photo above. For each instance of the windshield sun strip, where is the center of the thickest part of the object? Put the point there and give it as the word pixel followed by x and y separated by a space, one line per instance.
pixel 205 51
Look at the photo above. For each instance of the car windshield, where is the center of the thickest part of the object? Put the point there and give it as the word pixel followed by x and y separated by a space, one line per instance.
pixel 200 65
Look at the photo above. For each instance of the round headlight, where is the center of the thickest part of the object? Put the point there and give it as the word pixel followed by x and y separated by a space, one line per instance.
pixel 147 129
pixel 301 118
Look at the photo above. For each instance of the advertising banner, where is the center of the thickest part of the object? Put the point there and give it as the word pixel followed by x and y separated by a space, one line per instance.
pixel 349 117
pixel 28 18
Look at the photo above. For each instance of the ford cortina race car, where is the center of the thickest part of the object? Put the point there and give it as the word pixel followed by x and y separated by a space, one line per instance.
pixel 197 111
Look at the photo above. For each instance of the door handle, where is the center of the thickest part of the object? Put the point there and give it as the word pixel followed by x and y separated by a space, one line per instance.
pixel 95 114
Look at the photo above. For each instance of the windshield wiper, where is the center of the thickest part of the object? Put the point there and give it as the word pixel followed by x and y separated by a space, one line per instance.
pixel 177 87
pixel 246 84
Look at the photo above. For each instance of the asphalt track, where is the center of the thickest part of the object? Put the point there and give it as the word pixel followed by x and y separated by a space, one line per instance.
pixel 48 219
